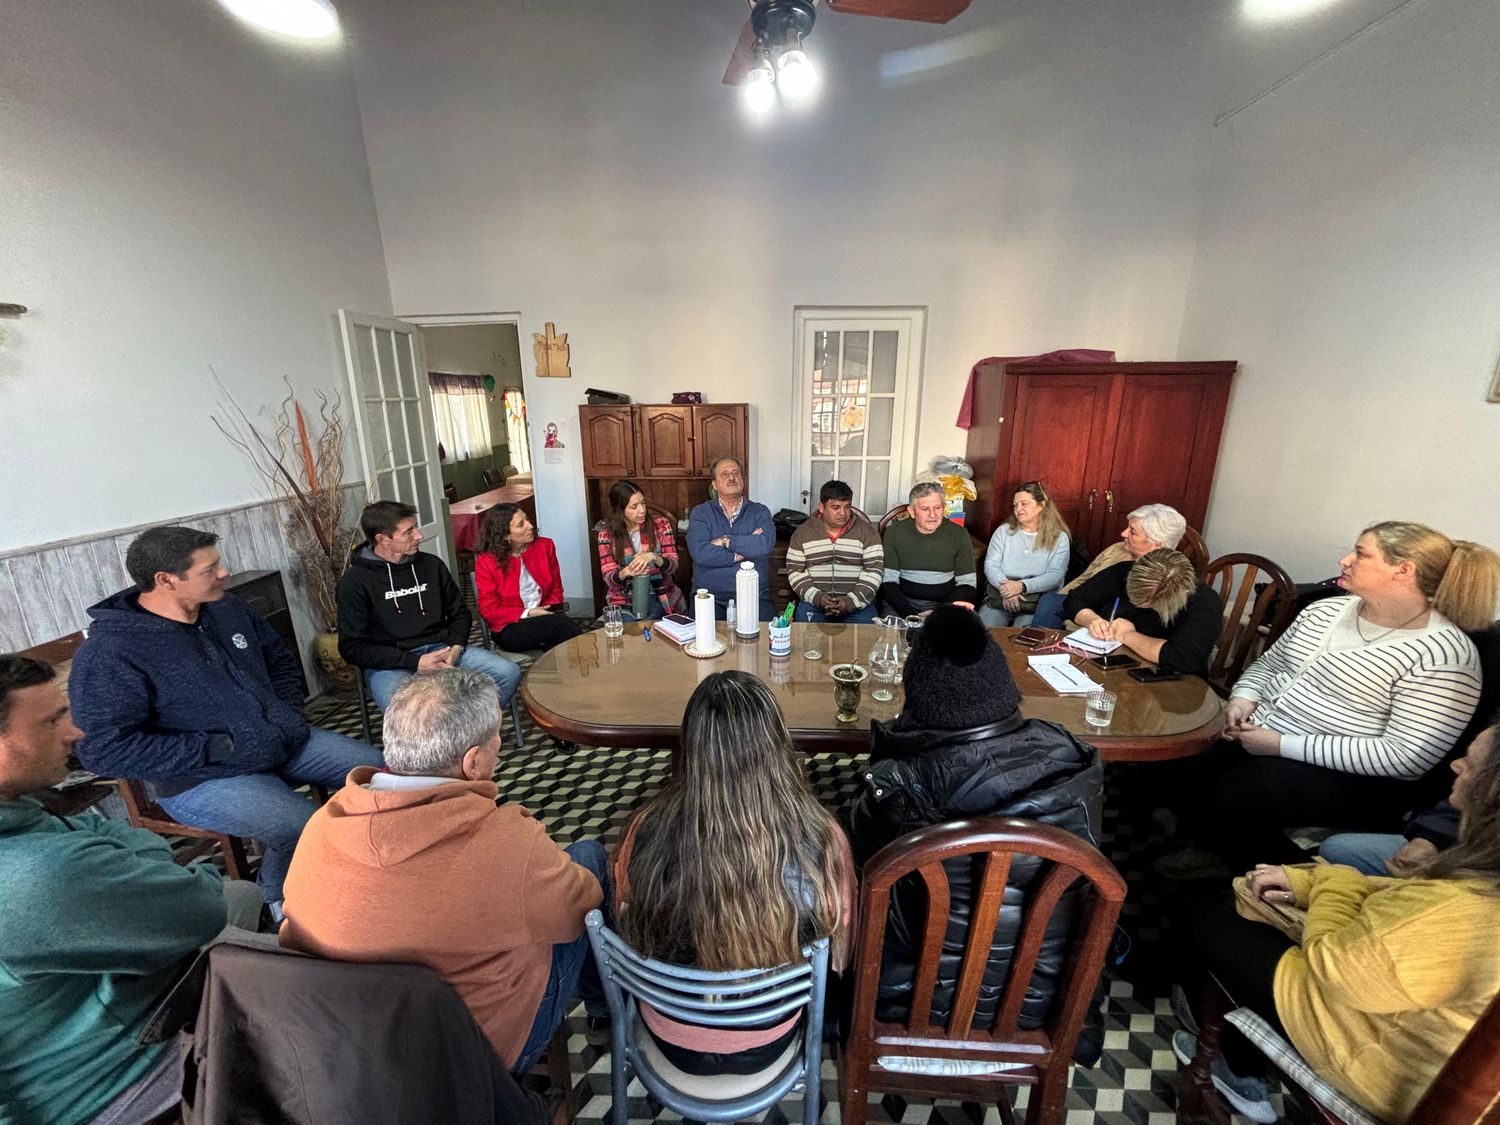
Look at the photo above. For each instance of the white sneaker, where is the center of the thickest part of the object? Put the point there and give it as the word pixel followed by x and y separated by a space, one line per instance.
pixel 1247 1096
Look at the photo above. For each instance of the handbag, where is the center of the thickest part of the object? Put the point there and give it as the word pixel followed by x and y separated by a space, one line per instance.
pixel 1288 919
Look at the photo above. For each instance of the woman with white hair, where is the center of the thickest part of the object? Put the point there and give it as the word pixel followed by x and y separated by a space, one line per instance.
pixel 1148 528
pixel 1357 701
pixel 1155 607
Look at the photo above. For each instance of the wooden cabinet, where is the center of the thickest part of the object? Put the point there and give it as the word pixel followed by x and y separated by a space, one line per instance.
pixel 1104 438
pixel 668 450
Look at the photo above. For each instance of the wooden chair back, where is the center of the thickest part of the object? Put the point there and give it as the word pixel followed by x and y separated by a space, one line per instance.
pixel 1196 550
pixel 450 493
pixel 899 512
pixel 493 478
pixel 145 813
pixel 1252 619
pixel 1045 1052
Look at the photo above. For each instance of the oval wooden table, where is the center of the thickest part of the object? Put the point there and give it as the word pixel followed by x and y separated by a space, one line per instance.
pixel 631 692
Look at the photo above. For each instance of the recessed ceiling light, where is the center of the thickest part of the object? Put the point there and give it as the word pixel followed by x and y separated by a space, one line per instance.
pixel 300 19
pixel 1270 11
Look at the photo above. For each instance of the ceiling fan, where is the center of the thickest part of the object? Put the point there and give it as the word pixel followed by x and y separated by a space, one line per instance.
pixel 775 31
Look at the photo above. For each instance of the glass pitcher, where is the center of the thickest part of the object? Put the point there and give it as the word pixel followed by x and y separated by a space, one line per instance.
pixel 887 655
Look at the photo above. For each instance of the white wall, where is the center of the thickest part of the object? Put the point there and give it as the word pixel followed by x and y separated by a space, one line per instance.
pixel 180 194
pixel 1350 259
pixel 583 164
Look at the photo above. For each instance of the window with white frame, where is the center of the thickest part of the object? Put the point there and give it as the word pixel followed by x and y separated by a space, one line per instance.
pixel 461 410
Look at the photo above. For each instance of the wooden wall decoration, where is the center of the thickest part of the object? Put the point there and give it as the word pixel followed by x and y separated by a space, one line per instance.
pixel 551 354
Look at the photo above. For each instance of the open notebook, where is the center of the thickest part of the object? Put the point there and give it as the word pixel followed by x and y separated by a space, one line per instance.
pixel 1061 675
pixel 1079 638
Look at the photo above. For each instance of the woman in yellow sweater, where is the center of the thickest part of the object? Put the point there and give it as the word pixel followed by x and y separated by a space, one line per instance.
pixel 1391 973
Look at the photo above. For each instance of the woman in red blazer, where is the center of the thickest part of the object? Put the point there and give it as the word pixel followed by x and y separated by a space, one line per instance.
pixel 517 582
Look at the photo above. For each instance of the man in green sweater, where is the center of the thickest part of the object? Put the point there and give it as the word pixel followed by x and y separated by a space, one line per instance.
pixel 97 924
pixel 929 560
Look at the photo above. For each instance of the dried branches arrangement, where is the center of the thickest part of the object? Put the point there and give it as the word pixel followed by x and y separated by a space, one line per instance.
pixel 307 469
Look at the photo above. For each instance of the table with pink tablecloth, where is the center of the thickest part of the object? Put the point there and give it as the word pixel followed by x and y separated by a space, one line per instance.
pixel 465 516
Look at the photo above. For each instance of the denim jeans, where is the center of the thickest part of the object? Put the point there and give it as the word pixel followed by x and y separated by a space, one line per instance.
pixel 805 612
pixel 654 612
pixel 996 618
pixel 1049 611
pixel 506 674
pixel 574 972
pixel 263 806
pixel 1363 851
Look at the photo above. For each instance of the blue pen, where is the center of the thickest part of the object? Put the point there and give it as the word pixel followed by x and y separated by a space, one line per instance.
pixel 1112 610
pixel 646 631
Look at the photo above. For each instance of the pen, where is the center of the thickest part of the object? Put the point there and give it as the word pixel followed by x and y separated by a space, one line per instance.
pixel 1112 610
pixel 646 631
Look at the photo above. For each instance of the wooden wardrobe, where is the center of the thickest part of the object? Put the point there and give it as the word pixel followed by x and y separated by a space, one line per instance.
pixel 1103 438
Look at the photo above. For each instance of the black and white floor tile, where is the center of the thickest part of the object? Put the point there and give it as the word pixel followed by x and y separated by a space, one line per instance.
pixel 585 791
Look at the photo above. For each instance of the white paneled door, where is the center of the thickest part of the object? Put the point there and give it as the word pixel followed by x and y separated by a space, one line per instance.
pixel 393 419
pixel 859 374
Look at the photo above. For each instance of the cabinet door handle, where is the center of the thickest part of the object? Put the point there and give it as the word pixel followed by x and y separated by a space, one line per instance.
pixel 1109 498
pixel 1091 498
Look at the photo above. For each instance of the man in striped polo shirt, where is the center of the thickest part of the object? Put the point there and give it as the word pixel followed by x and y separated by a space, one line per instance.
pixel 929 560
pixel 835 560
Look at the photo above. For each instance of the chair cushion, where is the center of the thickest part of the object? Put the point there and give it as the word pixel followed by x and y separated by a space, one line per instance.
pixel 1286 1059
pixel 713 1087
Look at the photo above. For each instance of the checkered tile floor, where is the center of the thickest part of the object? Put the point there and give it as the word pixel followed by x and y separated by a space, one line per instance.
pixel 591 791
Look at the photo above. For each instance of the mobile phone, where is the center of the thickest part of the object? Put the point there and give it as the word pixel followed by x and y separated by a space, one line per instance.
pixel 679 619
pixel 1030 638
pixel 1110 661
pixel 1153 675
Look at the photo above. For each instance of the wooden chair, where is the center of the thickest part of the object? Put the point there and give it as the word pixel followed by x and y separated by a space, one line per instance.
pixel 450 493
pixel 1045 1053
pixel 899 512
pixel 145 813
pixel 1196 550
pixel 493 478
pixel 1251 617
pixel 1465 1092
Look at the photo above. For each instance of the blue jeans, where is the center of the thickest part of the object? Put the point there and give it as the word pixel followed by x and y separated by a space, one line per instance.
pixel 1049 611
pixel 1363 851
pixel 263 806
pixel 506 674
pixel 999 618
pixel 805 612
pixel 574 971
pixel 654 612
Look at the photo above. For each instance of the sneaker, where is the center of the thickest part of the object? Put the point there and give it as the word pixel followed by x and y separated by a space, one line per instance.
pixel 1183 1010
pixel 1164 819
pixel 596 1030
pixel 1246 1096
pixel 1190 863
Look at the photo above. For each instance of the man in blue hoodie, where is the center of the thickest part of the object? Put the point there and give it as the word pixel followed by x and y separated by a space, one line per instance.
pixel 184 686
pixel 97 924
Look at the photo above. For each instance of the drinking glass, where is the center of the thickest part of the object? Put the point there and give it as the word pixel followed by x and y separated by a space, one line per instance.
pixel 1099 708
pixel 614 621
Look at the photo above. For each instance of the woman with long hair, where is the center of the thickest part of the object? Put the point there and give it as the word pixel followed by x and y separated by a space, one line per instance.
pixel 638 556
pixel 1027 557
pixel 517 582
pixel 1390 974
pixel 733 865
pixel 1355 703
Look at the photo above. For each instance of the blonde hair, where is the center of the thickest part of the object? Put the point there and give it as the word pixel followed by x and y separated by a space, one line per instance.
pixel 1459 578
pixel 1050 526
pixel 1162 580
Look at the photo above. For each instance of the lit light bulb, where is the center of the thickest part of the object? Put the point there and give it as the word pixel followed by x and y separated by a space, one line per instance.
pixel 798 79
pixel 300 19
pixel 758 90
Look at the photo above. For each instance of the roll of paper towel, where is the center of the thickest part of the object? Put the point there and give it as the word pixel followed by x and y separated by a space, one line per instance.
pixel 705 635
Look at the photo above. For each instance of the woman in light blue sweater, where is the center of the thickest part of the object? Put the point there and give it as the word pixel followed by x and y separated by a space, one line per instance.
pixel 1027 557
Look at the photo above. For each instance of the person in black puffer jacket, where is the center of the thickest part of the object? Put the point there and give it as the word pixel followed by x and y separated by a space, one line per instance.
pixel 960 748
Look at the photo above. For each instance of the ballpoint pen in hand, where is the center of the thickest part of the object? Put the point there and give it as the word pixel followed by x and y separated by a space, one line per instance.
pixel 1112 610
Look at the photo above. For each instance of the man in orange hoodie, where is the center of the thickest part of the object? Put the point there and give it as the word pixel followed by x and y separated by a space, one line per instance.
pixel 416 863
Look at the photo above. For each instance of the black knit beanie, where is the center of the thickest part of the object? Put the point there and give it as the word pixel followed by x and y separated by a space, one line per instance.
pixel 956 676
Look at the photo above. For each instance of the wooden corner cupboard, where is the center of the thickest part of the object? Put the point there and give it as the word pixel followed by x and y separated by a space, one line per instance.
pixel 1103 438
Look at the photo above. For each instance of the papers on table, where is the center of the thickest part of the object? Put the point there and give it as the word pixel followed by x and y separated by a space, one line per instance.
pixel 1061 675
pixel 675 630
pixel 1079 638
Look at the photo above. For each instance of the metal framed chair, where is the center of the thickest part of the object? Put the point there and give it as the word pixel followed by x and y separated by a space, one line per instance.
pixel 919 1056
pixel 741 999
pixel 488 640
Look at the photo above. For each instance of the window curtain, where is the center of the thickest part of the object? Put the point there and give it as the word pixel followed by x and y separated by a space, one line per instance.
pixel 515 430
pixel 462 415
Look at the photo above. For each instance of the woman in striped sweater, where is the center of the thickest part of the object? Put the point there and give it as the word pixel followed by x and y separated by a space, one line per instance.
pixel 638 557
pixel 1358 699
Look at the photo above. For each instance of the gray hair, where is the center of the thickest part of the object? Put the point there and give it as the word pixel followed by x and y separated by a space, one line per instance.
pixel 923 488
pixel 1162 524
pixel 714 468
pixel 434 718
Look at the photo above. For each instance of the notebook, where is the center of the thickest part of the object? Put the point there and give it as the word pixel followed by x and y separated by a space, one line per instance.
pixel 1061 675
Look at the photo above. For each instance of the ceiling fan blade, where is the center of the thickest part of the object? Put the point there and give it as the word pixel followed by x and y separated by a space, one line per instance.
pixel 742 58
pixel 927 11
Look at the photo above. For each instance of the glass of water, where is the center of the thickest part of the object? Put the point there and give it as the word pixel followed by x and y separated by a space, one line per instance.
pixel 1099 709
pixel 614 621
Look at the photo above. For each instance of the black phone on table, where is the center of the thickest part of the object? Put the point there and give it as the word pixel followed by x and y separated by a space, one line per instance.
pixel 1112 660
pixel 1154 675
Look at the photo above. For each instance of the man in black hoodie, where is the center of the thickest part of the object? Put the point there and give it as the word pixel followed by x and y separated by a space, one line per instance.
pixel 401 613
pixel 186 687
pixel 961 748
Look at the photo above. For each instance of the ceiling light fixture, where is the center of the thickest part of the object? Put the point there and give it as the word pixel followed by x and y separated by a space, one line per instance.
pixel 299 19
pixel 797 78
pixel 759 90
pixel 1271 11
